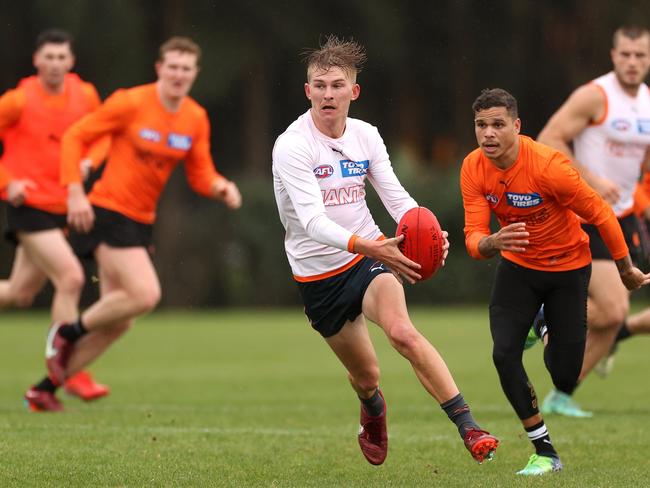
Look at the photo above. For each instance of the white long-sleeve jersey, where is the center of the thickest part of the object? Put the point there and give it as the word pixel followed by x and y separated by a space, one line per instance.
pixel 319 185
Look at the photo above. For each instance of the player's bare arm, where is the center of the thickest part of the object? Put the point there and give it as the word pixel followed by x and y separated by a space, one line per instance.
pixel 80 213
pixel 513 238
pixel 227 192
pixel 633 278
pixel 585 105
pixel 387 252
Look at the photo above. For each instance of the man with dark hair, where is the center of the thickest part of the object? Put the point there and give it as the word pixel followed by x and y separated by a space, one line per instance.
pixel 54 36
pixel 33 118
pixel 338 256
pixel 153 128
pixel 604 128
pixel 537 197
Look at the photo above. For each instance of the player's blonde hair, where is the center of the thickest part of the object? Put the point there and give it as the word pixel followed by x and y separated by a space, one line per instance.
pixel 349 55
pixel 182 44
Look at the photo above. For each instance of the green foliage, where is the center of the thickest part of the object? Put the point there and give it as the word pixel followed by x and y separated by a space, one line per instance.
pixel 256 398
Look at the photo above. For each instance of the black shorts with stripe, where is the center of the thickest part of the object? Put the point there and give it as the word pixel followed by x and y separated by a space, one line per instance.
pixel 331 302
pixel 629 226
pixel 30 219
pixel 113 229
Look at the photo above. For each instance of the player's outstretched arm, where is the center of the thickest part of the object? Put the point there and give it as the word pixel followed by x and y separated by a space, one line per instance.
pixel 513 238
pixel 387 252
pixel 632 277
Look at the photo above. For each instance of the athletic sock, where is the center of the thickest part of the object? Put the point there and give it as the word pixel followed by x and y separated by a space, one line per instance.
pixel 373 405
pixel 458 412
pixel 538 435
pixel 74 331
pixel 623 333
pixel 46 385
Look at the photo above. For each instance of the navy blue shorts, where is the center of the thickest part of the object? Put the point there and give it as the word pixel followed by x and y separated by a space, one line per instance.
pixel 331 302
pixel 30 219
pixel 113 229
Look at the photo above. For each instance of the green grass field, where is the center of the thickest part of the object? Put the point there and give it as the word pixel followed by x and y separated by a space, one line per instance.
pixel 241 398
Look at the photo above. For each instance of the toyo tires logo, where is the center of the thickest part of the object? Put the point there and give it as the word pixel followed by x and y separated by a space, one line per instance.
pixel 523 200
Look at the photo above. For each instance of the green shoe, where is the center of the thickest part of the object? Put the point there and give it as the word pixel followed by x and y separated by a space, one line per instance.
pixel 562 404
pixel 537 330
pixel 531 339
pixel 605 366
pixel 538 465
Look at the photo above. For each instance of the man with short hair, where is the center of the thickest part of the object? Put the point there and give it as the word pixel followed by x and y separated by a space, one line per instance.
pixel 33 118
pixel 338 256
pixel 607 121
pixel 152 128
pixel 537 197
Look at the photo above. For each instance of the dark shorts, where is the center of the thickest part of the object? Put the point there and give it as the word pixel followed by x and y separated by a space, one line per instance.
pixel 629 226
pixel 113 229
pixel 330 302
pixel 518 292
pixel 30 219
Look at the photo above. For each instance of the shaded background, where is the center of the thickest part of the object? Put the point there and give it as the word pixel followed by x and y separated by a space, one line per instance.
pixel 427 61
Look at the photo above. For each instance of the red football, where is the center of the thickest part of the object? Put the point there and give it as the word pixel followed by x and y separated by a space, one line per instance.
pixel 423 240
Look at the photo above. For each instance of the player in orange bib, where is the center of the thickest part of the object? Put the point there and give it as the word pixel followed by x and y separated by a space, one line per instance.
pixel 537 197
pixel 33 118
pixel 152 127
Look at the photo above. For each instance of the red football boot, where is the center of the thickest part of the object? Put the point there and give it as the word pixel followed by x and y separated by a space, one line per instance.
pixel 83 385
pixel 373 437
pixel 480 444
pixel 42 401
pixel 57 353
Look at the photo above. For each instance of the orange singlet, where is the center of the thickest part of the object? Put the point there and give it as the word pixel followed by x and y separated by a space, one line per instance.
pixel 32 123
pixel 146 145
pixel 543 190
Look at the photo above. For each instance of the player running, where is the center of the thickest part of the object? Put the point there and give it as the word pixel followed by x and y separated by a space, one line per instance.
pixel 338 256
pixel 152 128
pixel 534 191
pixel 607 123
pixel 33 118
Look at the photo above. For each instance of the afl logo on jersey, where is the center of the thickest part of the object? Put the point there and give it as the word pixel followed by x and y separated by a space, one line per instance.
pixel 150 135
pixel 492 198
pixel 621 125
pixel 323 171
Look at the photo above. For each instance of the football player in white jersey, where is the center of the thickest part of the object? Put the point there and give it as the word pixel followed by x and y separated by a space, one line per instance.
pixel 345 269
pixel 604 127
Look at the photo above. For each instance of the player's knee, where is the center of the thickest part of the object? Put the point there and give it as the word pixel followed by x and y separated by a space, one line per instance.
pixel 404 337
pixel 611 317
pixel 146 299
pixel 503 359
pixel 72 281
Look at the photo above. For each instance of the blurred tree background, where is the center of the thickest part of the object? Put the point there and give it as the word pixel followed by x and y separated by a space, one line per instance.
pixel 427 62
